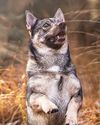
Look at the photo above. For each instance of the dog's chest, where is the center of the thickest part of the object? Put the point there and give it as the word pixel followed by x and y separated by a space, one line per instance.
pixel 51 60
pixel 54 86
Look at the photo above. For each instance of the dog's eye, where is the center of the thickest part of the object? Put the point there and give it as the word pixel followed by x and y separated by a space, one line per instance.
pixel 46 26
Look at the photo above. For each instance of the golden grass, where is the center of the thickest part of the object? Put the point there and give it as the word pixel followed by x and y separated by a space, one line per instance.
pixel 12 100
pixel 12 96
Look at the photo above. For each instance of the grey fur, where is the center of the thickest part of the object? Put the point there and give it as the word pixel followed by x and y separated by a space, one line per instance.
pixel 54 93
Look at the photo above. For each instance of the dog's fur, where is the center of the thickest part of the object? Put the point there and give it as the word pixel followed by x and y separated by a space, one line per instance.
pixel 54 93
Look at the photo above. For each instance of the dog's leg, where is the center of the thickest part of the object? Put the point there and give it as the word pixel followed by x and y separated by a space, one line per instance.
pixel 73 107
pixel 75 91
pixel 41 102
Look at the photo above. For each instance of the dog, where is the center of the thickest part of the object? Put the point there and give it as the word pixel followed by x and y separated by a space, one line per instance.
pixel 54 92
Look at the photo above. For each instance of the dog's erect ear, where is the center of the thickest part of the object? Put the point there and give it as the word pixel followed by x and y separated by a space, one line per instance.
pixel 59 15
pixel 30 19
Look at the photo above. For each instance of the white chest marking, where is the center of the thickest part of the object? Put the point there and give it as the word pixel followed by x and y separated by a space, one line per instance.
pixel 54 69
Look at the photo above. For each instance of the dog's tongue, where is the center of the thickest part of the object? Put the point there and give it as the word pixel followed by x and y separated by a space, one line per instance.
pixel 61 40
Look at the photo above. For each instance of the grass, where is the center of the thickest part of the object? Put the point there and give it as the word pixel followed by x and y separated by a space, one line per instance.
pixel 12 96
pixel 12 100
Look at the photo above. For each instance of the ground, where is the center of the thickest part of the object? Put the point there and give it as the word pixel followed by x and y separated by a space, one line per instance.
pixel 12 100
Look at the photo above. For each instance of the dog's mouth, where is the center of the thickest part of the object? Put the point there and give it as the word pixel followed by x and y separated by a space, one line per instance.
pixel 57 39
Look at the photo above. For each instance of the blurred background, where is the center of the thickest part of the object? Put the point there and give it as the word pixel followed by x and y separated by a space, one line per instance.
pixel 83 22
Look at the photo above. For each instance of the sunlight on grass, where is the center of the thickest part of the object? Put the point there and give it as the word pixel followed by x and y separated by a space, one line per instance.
pixel 12 101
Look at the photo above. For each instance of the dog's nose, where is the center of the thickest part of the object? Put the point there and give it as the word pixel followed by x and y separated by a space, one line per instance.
pixel 62 26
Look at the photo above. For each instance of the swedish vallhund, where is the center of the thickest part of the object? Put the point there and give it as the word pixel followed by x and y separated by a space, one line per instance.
pixel 54 93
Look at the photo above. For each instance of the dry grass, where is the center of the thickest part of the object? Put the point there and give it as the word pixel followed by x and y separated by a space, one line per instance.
pixel 12 96
pixel 12 100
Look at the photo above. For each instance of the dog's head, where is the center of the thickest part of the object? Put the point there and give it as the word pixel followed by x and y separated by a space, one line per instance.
pixel 48 32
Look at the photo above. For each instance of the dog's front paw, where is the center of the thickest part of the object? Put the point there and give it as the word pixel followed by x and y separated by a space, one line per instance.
pixel 70 124
pixel 70 121
pixel 49 108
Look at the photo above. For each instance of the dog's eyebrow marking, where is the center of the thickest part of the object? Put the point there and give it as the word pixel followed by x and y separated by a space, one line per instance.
pixel 51 20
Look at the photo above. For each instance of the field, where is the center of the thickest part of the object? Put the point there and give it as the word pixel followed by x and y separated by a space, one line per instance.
pixel 12 96
pixel 83 22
